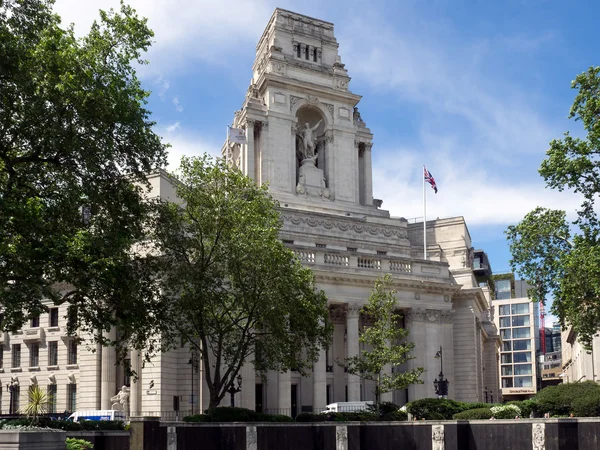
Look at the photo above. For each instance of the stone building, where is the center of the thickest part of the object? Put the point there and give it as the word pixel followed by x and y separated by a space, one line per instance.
pixel 307 139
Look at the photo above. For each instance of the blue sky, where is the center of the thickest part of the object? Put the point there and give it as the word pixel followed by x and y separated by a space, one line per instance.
pixel 473 89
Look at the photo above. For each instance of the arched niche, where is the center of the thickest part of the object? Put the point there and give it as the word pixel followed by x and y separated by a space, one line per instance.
pixel 310 117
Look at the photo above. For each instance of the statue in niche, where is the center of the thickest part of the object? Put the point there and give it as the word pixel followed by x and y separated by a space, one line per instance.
pixel 308 144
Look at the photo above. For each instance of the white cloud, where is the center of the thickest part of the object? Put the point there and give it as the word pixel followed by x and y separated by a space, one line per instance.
pixel 177 104
pixel 186 144
pixel 173 127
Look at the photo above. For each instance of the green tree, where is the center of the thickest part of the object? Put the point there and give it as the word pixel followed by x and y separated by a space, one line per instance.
pixel 231 290
pixel 76 143
pixel 386 340
pixel 556 257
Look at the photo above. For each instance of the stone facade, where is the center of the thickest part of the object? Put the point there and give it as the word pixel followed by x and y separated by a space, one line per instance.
pixel 307 139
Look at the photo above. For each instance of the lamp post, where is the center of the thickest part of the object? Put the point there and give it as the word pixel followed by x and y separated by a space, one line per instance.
pixel 232 390
pixel 192 363
pixel 441 384
pixel 11 388
pixel 486 394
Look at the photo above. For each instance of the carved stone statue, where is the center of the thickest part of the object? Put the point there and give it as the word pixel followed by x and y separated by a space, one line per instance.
pixel 309 140
pixel 121 401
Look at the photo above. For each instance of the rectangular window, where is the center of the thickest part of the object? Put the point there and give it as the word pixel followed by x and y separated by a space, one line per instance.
pixel 506 358
pixel 72 352
pixel 522 345
pixel 522 369
pixel 504 322
pixel 53 353
pixel 521 333
pixel 506 347
pixel 521 321
pixel 520 308
pixel 522 357
pixel 1 358
pixel 505 333
pixel 34 355
pixel 507 382
pixel 53 317
pixel 16 355
pixel 523 382
pixel 51 398
pixel 504 310
pixel 35 322
pixel 15 399
pixel 507 370
pixel 71 397
pixel 503 289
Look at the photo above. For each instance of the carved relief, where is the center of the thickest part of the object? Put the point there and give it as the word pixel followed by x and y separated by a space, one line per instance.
pixel 437 437
pixel 341 84
pixel 294 100
pixel 251 438
pixel 345 226
pixel 353 310
pixel 341 438
pixel 337 314
pixel 312 100
pixel 446 316
pixel 538 436
pixel 329 107
pixel 426 315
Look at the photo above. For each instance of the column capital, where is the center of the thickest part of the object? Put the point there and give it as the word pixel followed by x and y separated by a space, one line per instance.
pixel 353 310
pixel 337 313
pixel 428 315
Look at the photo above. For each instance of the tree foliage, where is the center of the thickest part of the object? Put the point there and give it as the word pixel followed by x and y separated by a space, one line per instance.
pixel 76 143
pixel 556 257
pixel 231 289
pixel 385 339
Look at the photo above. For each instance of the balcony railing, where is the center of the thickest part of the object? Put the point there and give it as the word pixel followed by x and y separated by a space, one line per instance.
pixel 380 263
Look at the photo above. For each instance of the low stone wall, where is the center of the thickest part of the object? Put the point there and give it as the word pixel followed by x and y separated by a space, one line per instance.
pixel 525 434
pixel 32 440
pixel 103 440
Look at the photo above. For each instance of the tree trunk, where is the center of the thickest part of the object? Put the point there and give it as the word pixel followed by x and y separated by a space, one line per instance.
pixel 214 398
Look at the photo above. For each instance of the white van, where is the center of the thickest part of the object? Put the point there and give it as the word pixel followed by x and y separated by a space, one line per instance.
pixel 105 414
pixel 347 406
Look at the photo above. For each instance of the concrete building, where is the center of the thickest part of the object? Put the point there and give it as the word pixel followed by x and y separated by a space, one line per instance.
pixel 578 363
pixel 517 319
pixel 305 137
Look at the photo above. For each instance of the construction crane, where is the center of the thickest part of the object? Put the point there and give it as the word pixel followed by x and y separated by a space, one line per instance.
pixel 543 327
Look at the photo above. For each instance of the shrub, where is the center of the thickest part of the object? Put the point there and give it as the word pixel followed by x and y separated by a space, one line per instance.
pixel 588 406
pixel 233 414
pixel 310 417
pixel 90 425
pixel 526 406
pixel 197 418
pixel 558 400
pixel 434 408
pixel 395 416
pixel 474 414
pixel 78 444
pixel 273 418
pixel 505 411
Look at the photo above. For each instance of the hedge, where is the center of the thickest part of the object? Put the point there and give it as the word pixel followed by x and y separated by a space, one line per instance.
pixel 563 399
pixel 474 414
pixel 233 414
pixel 67 425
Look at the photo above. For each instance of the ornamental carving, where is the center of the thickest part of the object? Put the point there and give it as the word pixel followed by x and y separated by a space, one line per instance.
pixel 437 437
pixel 329 107
pixel 345 226
pixel 251 438
pixel 446 316
pixel 312 100
pixel 354 310
pixel 294 100
pixel 337 313
pixel 538 436
pixel 428 315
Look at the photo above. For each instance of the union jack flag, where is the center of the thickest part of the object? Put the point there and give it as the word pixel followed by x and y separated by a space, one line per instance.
pixel 429 179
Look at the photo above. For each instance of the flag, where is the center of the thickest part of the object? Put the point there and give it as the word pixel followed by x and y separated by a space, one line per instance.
pixel 429 179
pixel 237 136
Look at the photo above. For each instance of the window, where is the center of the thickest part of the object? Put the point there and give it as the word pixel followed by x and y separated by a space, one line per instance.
pixel 127 372
pixel 503 289
pixel 520 333
pixel 381 252
pixel 520 308
pixel 352 249
pixel 507 382
pixel 505 333
pixel 71 397
pixel 72 352
pixel 522 357
pixel 53 353
pixel 53 317
pixel 51 391
pixel 1 359
pixel 504 322
pixel 521 321
pixel 16 355
pixel 504 310
pixel 321 245
pixel 522 345
pixel 15 399
pixel 506 347
pixel 523 382
pixel 35 322
pixel 506 358
pixel 522 369
pixel 507 370
pixel 34 355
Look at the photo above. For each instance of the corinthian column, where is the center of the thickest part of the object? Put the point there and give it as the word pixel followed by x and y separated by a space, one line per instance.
pixel 353 349
pixel 320 383
pixel 249 163
pixel 136 386
pixel 108 383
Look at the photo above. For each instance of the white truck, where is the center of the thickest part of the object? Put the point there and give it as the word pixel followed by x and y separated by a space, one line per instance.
pixel 106 414
pixel 347 407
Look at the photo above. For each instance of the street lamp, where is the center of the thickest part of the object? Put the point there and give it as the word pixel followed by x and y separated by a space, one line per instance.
pixel 486 394
pixel 192 363
pixel 441 384
pixel 234 390
pixel 12 388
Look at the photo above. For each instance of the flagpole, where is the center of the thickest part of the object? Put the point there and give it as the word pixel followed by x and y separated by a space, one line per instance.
pixel 424 217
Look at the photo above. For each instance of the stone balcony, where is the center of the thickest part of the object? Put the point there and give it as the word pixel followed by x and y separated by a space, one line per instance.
pixel 330 259
pixel 33 334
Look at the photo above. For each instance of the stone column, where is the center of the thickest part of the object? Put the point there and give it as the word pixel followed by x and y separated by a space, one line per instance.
pixel 368 175
pixel 284 393
pixel 249 162
pixel 353 349
pixel 135 407
pixel 248 394
pixel 387 370
pixel 320 383
pixel 108 384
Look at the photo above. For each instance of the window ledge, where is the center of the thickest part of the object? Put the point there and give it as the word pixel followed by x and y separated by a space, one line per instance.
pixel 34 368
pixel 72 366
pixel 54 328
pixel 16 369
pixel 52 367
